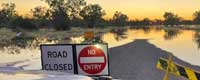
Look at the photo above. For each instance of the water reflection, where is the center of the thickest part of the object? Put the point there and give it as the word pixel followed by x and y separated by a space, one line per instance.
pixel 171 33
pixel 179 42
pixel 158 29
pixel 22 41
pixel 183 43
pixel 18 44
pixel 119 33
pixel 197 38
pixel 146 29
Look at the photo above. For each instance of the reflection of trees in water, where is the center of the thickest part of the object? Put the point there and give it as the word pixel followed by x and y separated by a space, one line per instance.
pixel 16 44
pixel 171 33
pixel 197 38
pixel 120 34
pixel 146 29
pixel 158 29
pixel 96 39
pixel 22 41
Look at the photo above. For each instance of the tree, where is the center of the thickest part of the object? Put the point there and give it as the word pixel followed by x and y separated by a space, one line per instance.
pixel 146 21
pixel 171 19
pixel 158 22
pixel 196 19
pixel 62 11
pixel 120 19
pixel 92 14
pixel 40 15
pixel 7 13
pixel 77 21
pixel 22 23
pixel 186 22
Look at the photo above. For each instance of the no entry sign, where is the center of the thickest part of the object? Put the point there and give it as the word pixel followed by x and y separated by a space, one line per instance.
pixel 92 59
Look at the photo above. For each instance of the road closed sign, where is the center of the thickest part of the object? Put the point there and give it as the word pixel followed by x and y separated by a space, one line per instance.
pixel 92 59
pixel 57 58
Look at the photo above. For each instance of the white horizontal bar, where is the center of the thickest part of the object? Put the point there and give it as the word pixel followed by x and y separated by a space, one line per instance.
pixel 91 59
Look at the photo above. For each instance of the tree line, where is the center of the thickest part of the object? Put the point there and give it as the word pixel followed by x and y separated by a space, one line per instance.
pixel 64 14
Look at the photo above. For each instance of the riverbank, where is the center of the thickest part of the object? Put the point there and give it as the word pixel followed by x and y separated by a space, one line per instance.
pixel 137 61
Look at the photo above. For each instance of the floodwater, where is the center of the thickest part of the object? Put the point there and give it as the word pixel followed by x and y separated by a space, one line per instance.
pixel 184 44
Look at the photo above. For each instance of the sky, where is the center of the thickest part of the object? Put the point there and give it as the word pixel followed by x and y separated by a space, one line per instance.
pixel 135 9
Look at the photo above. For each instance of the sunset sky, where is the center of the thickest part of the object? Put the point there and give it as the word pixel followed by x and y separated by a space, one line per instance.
pixel 153 9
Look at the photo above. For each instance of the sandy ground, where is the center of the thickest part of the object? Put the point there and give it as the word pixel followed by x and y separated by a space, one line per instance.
pixel 137 61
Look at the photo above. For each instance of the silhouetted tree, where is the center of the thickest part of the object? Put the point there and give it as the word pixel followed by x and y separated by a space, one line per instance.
pixel 40 15
pixel 22 23
pixel 135 22
pixel 119 19
pixel 63 10
pixel 157 22
pixel 103 23
pixel 7 13
pixel 92 14
pixel 146 21
pixel 186 22
pixel 196 17
pixel 77 21
pixel 171 19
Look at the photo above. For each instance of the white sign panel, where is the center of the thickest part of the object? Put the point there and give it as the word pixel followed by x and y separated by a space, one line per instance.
pixel 57 58
pixel 92 59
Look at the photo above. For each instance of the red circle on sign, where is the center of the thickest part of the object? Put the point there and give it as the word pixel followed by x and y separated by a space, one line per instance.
pixel 92 60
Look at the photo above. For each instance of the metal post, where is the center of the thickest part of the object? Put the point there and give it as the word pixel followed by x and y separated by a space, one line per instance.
pixel 166 77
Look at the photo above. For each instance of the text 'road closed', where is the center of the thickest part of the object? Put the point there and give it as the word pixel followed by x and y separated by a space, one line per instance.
pixel 57 58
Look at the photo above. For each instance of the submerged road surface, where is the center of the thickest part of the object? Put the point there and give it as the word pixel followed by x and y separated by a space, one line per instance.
pixel 137 61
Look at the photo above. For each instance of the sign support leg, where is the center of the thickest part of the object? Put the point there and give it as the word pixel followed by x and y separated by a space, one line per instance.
pixel 166 77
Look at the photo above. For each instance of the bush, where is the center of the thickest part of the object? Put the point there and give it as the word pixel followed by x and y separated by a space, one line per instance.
pixel 26 24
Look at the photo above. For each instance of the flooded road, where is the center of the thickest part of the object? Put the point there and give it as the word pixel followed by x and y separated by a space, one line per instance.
pixel 184 44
